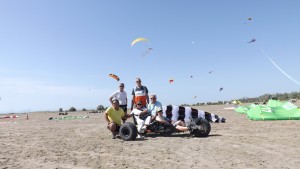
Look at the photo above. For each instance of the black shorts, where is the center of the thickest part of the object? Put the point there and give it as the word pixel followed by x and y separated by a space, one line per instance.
pixel 124 107
pixel 117 128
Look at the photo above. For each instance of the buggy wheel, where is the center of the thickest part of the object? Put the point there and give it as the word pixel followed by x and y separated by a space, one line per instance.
pixel 203 128
pixel 128 131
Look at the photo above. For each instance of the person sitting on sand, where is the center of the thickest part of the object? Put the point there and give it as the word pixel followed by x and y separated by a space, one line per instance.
pixel 113 116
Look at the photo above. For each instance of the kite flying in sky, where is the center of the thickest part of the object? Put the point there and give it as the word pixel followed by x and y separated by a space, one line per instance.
pixel 171 80
pixel 253 40
pixel 114 76
pixel 249 20
pixel 138 40
pixel 221 89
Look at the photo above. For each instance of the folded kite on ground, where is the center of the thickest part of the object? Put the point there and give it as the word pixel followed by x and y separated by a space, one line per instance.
pixel 8 117
pixel 68 117
pixel 274 110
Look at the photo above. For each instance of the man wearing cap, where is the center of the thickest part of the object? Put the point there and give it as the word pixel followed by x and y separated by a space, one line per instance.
pixel 121 96
pixel 139 93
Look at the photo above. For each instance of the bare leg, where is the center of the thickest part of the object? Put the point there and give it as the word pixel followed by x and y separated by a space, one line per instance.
pixel 181 128
pixel 112 127
pixel 181 123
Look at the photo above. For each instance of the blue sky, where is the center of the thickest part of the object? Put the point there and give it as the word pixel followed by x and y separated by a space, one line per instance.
pixel 58 54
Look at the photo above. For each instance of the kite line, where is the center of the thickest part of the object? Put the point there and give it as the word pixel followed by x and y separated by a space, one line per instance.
pixel 281 70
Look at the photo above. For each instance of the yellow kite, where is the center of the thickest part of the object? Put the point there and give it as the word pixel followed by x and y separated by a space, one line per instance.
pixel 138 40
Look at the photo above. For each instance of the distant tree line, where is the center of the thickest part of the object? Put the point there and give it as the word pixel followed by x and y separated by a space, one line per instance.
pixel 279 96
pixel 99 108
pixel 259 99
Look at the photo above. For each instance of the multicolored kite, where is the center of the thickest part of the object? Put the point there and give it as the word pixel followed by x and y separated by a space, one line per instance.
pixel 114 76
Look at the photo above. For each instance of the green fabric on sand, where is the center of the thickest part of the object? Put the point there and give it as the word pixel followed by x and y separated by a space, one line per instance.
pixel 274 110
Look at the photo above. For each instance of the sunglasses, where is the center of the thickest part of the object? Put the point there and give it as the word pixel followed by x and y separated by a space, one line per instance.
pixel 139 104
pixel 121 86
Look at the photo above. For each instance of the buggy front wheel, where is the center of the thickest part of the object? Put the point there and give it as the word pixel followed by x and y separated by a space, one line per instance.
pixel 128 131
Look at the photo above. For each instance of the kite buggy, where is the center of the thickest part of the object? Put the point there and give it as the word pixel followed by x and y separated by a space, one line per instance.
pixel 201 128
pixel 197 122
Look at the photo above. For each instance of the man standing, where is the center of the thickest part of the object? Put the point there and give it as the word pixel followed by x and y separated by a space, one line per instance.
pixel 121 96
pixel 139 93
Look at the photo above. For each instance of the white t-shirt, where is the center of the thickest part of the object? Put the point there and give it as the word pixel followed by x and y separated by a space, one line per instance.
pixel 121 96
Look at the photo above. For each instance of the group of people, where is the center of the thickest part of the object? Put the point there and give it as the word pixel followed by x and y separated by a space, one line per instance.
pixel 143 109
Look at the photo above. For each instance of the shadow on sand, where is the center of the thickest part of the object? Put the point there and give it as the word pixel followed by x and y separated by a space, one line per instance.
pixel 155 135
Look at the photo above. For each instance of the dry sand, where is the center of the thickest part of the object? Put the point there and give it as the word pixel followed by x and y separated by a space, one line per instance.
pixel 86 143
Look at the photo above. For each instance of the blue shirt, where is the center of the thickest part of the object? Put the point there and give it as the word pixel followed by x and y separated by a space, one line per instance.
pixel 152 107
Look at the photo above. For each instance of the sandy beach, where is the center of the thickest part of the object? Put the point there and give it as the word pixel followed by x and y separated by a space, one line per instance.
pixel 86 144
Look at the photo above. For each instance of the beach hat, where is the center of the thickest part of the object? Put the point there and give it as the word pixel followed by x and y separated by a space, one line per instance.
pixel 159 110
pixel 121 84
